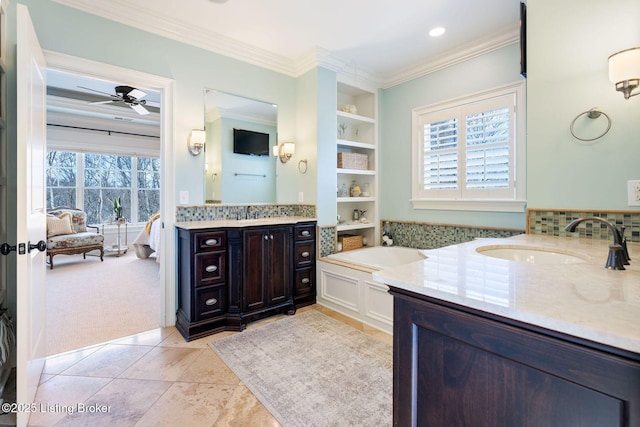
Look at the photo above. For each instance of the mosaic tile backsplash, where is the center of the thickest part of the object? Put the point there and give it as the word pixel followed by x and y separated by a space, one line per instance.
pixel 553 222
pixel 422 235
pixel 216 212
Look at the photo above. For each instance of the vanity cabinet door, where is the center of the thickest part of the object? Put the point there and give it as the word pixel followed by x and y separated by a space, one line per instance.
pixel 266 272
pixel 454 366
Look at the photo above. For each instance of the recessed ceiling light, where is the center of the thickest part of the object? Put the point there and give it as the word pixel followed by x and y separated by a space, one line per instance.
pixel 437 31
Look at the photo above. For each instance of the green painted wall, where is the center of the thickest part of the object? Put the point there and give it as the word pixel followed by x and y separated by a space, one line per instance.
pixel 487 71
pixel 69 31
pixel 568 46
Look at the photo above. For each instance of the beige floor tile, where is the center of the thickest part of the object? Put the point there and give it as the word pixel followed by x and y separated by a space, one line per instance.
pixel 61 396
pixel 177 340
pixel 163 363
pixel 244 410
pixel 209 368
pixel 109 361
pixel 121 403
pixel 188 404
pixel 153 337
pixel 61 362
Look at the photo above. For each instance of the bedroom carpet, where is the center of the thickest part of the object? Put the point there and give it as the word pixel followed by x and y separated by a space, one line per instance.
pixel 90 302
pixel 312 370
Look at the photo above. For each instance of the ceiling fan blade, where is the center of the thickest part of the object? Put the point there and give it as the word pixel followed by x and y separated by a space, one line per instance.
pixel 99 91
pixel 139 109
pixel 152 104
pixel 105 102
pixel 136 94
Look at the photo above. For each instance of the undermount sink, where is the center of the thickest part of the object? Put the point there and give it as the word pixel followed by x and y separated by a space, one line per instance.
pixel 531 254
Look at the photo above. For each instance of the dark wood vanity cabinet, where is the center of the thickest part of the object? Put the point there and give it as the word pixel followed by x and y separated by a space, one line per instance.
pixel 230 277
pixel 304 275
pixel 454 366
pixel 202 285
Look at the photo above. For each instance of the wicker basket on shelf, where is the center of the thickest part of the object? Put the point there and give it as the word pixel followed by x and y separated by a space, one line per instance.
pixel 353 161
pixel 350 241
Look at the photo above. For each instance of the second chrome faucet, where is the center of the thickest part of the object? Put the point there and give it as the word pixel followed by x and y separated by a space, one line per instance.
pixel 618 253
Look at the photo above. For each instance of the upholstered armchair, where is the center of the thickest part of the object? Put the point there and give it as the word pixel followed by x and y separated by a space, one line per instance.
pixel 68 234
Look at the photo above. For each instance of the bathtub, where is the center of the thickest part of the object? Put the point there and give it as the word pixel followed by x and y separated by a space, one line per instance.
pixel 345 284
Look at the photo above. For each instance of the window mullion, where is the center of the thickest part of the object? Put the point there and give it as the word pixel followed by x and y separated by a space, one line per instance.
pixel 80 181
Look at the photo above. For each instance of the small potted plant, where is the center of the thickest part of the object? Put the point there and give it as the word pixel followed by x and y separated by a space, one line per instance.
pixel 117 209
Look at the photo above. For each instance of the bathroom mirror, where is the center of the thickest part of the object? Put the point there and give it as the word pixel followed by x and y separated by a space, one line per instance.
pixel 241 132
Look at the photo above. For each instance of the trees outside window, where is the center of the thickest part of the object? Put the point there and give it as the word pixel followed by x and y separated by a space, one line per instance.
pixel 136 180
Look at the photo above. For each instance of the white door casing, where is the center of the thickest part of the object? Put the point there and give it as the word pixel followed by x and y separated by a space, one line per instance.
pixel 31 88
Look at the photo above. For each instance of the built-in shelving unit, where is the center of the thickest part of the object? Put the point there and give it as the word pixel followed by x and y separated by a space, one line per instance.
pixel 357 133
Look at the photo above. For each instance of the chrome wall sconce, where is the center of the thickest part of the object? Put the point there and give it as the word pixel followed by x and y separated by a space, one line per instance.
pixel 624 71
pixel 284 151
pixel 196 141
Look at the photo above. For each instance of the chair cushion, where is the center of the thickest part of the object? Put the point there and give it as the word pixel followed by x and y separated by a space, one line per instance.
pixel 59 225
pixel 74 240
pixel 78 218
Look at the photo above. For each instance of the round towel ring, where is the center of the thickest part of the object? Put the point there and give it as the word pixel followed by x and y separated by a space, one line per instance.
pixel 593 113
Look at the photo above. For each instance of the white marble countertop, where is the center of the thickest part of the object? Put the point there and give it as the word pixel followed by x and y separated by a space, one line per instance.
pixel 229 223
pixel 583 299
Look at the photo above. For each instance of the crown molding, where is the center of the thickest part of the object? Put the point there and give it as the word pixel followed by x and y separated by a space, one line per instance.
pixel 495 41
pixel 347 71
pixel 131 15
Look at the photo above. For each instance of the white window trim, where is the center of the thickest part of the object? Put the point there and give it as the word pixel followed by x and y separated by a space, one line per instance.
pixel 518 203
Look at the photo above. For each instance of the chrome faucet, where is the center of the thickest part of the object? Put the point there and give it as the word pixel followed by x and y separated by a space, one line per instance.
pixel 618 253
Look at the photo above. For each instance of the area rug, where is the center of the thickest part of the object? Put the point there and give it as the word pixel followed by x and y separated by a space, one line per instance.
pixel 312 370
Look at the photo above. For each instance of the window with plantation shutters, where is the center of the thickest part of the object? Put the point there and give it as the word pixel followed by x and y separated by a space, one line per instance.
pixel 469 153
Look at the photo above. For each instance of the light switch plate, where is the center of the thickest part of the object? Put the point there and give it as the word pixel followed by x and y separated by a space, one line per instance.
pixel 184 197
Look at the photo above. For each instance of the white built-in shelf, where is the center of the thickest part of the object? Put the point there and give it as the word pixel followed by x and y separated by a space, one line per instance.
pixel 356 144
pixel 356 199
pixel 356 171
pixel 355 226
pixel 354 118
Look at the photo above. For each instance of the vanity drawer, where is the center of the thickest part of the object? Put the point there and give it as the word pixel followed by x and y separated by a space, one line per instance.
pixel 305 254
pixel 210 301
pixel 210 241
pixel 305 232
pixel 304 281
pixel 210 268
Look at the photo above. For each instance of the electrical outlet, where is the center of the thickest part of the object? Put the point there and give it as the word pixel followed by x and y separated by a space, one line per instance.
pixel 633 193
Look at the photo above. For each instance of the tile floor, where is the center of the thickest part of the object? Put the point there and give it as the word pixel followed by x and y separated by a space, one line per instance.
pixel 153 379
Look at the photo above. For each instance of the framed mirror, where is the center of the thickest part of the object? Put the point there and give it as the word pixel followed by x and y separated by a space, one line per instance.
pixel 239 167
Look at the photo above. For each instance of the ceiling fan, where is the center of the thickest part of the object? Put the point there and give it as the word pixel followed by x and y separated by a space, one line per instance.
pixel 128 95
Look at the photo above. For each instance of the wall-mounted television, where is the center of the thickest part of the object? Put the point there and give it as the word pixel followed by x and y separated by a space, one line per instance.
pixel 250 142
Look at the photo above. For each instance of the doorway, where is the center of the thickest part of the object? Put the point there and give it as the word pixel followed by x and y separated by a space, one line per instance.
pixel 164 87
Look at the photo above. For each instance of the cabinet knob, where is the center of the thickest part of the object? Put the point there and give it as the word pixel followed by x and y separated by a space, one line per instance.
pixel 211 268
pixel 266 237
pixel 211 301
pixel 305 233
pixel 271 236
pixel 305 254
pixel 305 280
pixel 211 242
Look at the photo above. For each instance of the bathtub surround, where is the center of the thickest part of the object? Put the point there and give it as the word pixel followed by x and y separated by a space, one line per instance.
pixel 347 375
pixel 424 235
pixel 552 222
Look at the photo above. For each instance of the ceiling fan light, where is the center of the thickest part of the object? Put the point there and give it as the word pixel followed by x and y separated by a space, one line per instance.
pixel 136 94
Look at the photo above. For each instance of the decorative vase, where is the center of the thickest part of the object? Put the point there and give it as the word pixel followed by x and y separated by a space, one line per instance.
pixel 354 189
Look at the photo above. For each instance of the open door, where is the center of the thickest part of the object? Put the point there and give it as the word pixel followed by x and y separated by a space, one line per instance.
pixel 30 211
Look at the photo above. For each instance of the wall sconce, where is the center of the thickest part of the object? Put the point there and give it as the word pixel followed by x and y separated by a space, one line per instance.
pixel 624 71
pixel 196 141
pixel 284 151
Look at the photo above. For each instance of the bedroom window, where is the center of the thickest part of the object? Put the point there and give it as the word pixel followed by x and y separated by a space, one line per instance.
pixel 468 153
pixel 93 181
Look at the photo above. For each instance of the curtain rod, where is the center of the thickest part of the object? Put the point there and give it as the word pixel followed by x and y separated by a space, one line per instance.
pixel 103 130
